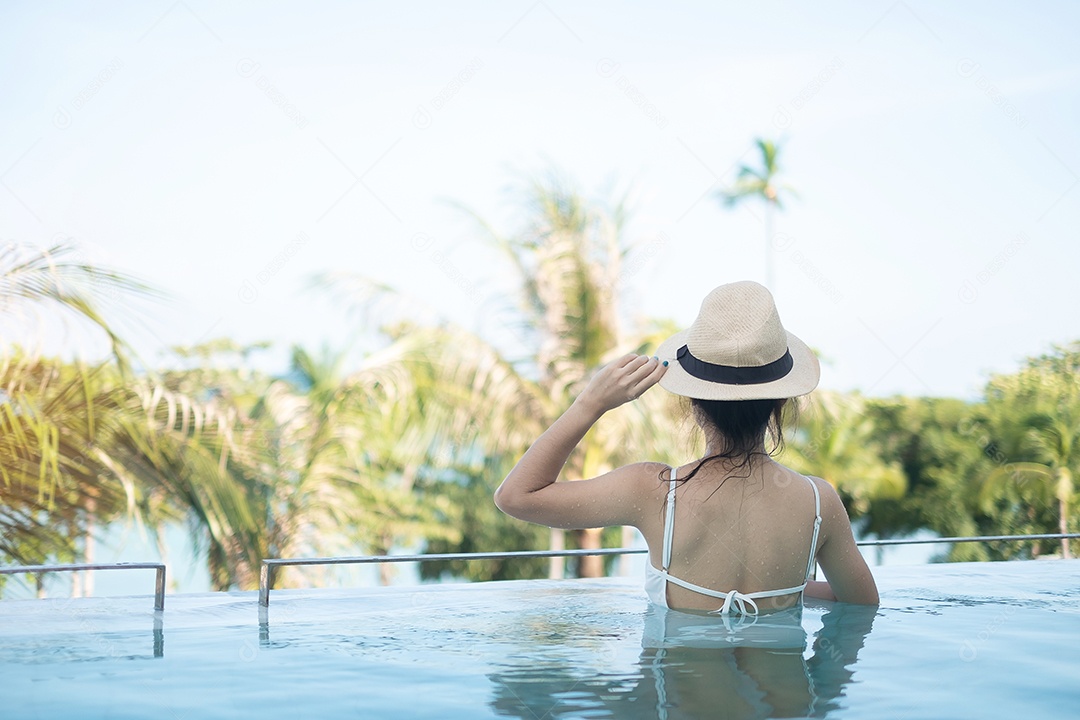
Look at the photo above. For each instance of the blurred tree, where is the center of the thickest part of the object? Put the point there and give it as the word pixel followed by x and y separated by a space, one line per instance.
pixel 568 261
pixel 56 422
pixel 54 488
pixel 57 282
pixel 1032 424
pixel 313 463
pixel 836 440
pixel 761 183
pixel 930 439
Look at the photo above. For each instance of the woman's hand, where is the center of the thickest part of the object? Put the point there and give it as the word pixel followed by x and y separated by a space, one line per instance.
pixel 530 492
pixel 620 381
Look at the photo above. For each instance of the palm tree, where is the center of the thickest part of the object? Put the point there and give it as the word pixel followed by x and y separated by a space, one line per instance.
pixel 55 419
pixel 256 466
pixel 283 467
pixel 760 183
pixel 568 259
pixel 80 445
pixel 57 281
pixel 836 441
pixel 203 453
pixel 566 322
pixel 1038 483
pixel 52 415
pixel 370 431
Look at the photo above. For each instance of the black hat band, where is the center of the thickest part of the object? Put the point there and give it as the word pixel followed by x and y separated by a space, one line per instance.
pixel 731 375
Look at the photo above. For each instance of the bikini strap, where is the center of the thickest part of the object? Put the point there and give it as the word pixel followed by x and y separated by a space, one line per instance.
pixel 669 523
pixel 817 527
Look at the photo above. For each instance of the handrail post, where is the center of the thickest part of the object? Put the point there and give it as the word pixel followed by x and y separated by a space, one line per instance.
pixel 159 589
pixel 266 579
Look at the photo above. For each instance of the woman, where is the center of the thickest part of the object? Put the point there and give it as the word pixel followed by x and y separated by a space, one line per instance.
pixel 733 532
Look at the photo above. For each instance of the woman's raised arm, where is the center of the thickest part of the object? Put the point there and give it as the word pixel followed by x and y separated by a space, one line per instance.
pixel 530 492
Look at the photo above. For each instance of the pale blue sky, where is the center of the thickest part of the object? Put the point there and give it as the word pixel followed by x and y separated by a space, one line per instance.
pixel 933 146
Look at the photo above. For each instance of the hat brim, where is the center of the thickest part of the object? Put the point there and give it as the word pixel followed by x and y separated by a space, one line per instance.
pixel 803 377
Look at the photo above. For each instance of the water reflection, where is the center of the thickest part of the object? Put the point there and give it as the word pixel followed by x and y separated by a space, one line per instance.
pixel 83 638
pixel 701 667
pixel 159 635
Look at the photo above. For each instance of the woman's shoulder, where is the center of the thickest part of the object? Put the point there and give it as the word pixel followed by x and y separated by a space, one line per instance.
pixel 832 507
pixel 828 499
pixel 825 488
pixel 822 485
pixel 650 470
pixel 647 477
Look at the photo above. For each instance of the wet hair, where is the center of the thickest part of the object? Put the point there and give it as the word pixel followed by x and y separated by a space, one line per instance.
pixel 743 426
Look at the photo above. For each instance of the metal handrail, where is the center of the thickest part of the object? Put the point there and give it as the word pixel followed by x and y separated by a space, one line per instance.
pixel 266 573
pixel 269 565
pixel 973 538
pixel 159 584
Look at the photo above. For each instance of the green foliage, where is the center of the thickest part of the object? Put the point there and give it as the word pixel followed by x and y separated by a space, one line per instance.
pixel 1001 466
pixel 567 256
pixel 481 528
pixel 922 436
pixel 837 440
pixel 59 420
pixel 1029 427
pixel 50 470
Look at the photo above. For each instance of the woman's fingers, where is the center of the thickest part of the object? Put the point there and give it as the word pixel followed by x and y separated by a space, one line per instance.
pixel 656 370
pixel 623 380
pixel 644 372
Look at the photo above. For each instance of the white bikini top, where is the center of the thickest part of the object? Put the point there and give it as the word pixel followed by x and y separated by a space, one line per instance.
pixel 743 603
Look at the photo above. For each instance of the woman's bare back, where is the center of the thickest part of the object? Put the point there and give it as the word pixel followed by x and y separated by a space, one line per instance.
pixel 750 534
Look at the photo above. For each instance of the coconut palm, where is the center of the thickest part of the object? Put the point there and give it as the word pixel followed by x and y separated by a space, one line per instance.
pixel 204 462
pixel 82 445
pixel 86 445
pixel 565 323
pixel 836 441
pixel 1038 483
pixel 568 259
pixel 55 419
pixel 56 281
pixel 762 184
pixel 371 429
pixel 291 466
pixel 51 414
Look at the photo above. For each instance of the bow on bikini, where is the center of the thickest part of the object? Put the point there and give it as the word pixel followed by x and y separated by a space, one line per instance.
pixel 743 604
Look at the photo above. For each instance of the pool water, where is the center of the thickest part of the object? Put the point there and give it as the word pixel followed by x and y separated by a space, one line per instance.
pixel 948 641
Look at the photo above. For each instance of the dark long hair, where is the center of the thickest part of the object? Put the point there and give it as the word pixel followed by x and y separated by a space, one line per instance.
pixel 743 426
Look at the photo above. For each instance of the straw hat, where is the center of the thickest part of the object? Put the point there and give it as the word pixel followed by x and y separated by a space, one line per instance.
pixel 738 350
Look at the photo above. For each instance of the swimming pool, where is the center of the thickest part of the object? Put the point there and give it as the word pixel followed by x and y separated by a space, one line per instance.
pixel 949 641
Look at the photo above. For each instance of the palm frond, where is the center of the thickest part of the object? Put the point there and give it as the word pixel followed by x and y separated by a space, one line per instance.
pixel 55 278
